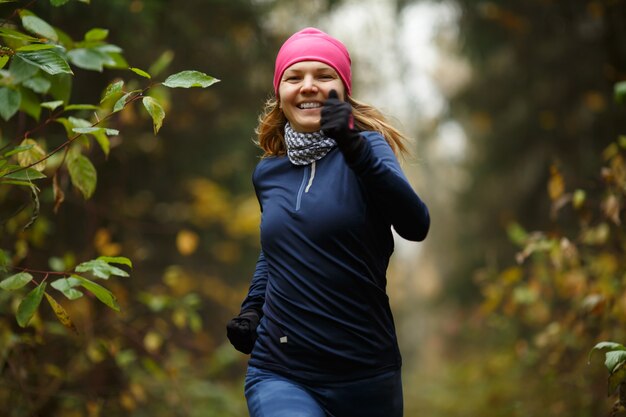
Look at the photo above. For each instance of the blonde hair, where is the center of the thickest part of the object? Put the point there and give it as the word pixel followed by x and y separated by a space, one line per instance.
pixel 271 127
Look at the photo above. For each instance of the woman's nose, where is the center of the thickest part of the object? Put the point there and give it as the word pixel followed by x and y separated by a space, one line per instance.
pixel 308 85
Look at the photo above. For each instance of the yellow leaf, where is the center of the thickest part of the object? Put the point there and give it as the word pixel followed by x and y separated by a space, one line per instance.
pixel 556 184
pixel 186 242
pixel 152 341
pixel 611 207
pixel 32 155
pixel 61 314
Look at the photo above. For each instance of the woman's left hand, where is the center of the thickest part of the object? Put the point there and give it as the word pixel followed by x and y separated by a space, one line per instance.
pixel 337 123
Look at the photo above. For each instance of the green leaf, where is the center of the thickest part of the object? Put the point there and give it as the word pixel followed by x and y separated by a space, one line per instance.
pixel 156 112
pixel 617 377
pixel 96 34
pixel 27 174
pixel 187 79
pixel 18 183
pixel 609 346
pixel 52 105
pixel 18 149
pixel 48 60
pixel 36 47
pixel 93 129
pixel 162 62
pixel 113 89
pixel 21 70
pixel 16 281
pixel 88 58
pixel 103 141
pixel 3 61
pixel 83 175
pixel 140 72
pixel 101 269
pixel 67 286
pixel 81 107
pixel 100 292
pixel 38 26
pixel 10 101
pixel 620 92
pixel 30 103
pixel 14 34
pixel 119 104
pixel 27 308
pixel 38 84
pixel 4 260
pixel 61 88
pixel 116 260
pixel 614 358
pixel 58 3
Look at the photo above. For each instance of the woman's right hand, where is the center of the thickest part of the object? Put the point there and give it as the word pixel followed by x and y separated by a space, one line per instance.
pixel 241 330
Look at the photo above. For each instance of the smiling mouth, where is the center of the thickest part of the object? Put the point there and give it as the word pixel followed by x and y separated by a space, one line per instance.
pixel 309 105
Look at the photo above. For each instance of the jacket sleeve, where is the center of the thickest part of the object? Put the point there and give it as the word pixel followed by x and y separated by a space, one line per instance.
pixel 256 294
pixel 379 170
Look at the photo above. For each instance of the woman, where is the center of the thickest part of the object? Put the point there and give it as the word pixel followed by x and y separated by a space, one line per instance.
pixel 330 189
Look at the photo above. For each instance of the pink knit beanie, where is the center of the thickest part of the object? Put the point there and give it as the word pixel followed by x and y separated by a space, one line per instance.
pixel 312 44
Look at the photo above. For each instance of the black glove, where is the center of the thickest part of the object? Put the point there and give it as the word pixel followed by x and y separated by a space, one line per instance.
pixel 336 123
pixel 241 330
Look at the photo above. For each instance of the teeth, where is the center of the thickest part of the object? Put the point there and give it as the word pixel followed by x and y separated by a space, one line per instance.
pixel 309 105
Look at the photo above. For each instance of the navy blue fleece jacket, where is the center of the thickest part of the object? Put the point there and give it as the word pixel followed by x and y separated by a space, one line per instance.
pixel 320 279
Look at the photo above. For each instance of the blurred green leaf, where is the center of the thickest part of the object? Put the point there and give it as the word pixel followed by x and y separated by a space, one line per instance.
pixel 38 84
pixel 18 149
pixel 187 79
pixel 83 175
pixel 156 112
pixel 4 260
pixel 162 62
pixel 101 269
pixel 608 346
pixel 67 286
pixel 36 47
pixel 93 129
pixel 140 72
pixel 3 60
pixel 27 174
pixel 58 3
pixel 30 103
pixel 14 34
pixel 96 34
pixel 116 260
pixel 38 26
pixel 620 92
pixel 614 358
pixel 616 378
pixel 119 104
pixel 112 89
pixel 16 281
pixel 10 101
pixel 81 107
pixel 88 58
pixel 101 293
pixel 29 304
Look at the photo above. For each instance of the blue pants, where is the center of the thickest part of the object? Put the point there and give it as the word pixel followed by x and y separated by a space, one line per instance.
pixel 272 395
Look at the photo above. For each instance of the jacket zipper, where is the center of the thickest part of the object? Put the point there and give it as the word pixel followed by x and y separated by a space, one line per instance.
pixel 307 182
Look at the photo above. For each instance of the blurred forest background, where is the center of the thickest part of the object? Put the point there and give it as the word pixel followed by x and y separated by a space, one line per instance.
pixel 519 122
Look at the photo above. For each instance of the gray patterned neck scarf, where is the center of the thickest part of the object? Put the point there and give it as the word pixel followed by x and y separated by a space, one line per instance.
pixel 305 148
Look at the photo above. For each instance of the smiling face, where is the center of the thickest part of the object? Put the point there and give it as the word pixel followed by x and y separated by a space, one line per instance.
pixel 302 91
